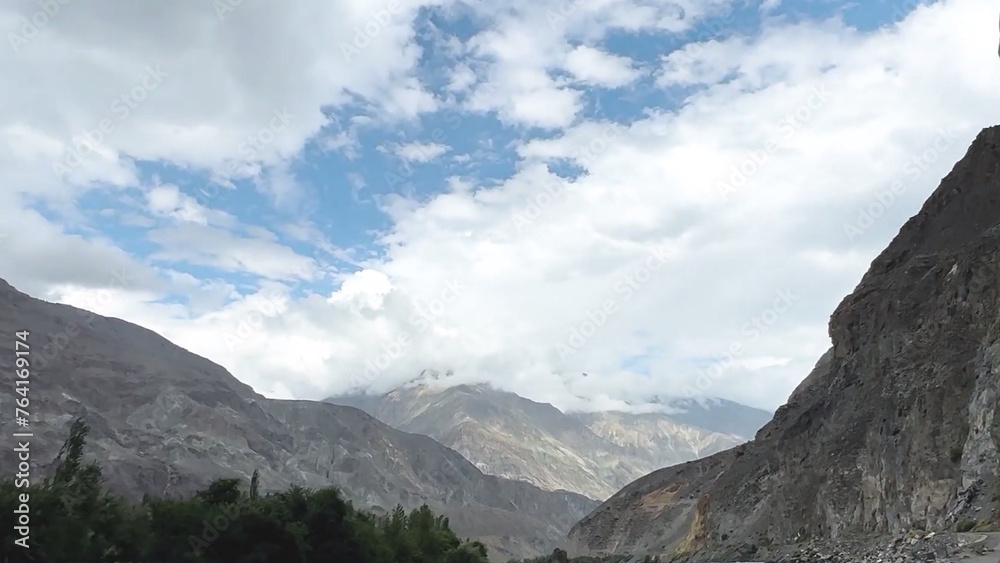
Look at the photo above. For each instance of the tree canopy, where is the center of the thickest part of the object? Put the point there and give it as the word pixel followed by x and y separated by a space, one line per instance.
pixel 73 518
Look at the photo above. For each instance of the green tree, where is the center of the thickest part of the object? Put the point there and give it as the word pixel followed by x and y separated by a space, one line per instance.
pixel 255 485
pixel 74 519
pixel 221 492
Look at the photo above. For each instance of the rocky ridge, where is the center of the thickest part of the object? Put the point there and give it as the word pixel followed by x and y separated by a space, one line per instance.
pixel 892 427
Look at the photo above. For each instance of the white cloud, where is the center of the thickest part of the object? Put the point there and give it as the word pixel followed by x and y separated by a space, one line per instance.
pixel 215 87
pixel 103 86
pixel 597 67
pixel 219 248
pixel 769 5
pixel 529 40
pixel 421 152
pixel 462 78
pixel 494 282
pixel 168 201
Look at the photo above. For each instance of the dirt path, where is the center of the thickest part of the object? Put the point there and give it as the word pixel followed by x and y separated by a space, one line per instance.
pixel 979 547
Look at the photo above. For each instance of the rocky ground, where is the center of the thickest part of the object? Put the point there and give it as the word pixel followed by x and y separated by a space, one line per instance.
pixel 909 548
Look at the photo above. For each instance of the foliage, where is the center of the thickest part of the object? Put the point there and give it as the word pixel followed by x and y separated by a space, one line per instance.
pixel 560 556
pixel 985 526
pixel 73 518
pixel 965 525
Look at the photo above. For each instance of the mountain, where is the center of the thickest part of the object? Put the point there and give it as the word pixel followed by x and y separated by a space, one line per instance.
pixel 717 415
pixel 659 438
pixel 594 454
pixel 165 421
pixel 897 426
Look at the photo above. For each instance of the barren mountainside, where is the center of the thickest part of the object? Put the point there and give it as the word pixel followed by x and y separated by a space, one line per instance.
pixel 658 437
pixel 594 454
pixel 166 421
pixel 895 428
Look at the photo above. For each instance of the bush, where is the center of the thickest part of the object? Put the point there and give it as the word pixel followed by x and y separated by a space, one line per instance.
pixel 965 525
pixel 985 526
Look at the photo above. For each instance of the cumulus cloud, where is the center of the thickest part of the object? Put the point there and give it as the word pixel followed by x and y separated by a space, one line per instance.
pixel 597 67
pixel 713 237
pixel 167 200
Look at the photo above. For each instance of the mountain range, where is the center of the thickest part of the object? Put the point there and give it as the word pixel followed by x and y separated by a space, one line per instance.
pixel 165 421
pixel 594 454
pixel 895 429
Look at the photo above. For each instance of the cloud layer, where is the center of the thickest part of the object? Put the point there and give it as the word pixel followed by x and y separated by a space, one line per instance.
pixel 702 231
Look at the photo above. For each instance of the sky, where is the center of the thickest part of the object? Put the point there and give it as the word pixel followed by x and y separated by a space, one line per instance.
pixel 591 203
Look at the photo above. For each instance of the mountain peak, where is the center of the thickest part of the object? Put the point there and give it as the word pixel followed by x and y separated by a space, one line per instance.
pixel 590 453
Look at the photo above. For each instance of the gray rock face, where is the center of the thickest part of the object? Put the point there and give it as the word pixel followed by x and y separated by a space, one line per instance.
pixel 165 421
pixel 594 454
pixel 894 421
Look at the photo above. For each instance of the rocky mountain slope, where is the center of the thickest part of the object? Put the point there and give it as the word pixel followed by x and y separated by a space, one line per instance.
pixel 659 438
pixel 896 427
pixel 165 421
pixel 594 454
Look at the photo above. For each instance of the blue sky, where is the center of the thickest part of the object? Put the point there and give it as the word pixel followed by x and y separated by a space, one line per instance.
pixel 340 191
pixel 291 212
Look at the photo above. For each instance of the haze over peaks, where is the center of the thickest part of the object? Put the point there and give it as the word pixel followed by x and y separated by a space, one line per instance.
pixel 594 454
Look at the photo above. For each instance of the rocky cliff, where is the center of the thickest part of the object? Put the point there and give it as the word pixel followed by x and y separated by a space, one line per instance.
pixel 594 454
pixel 165 421
pixel 895 428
